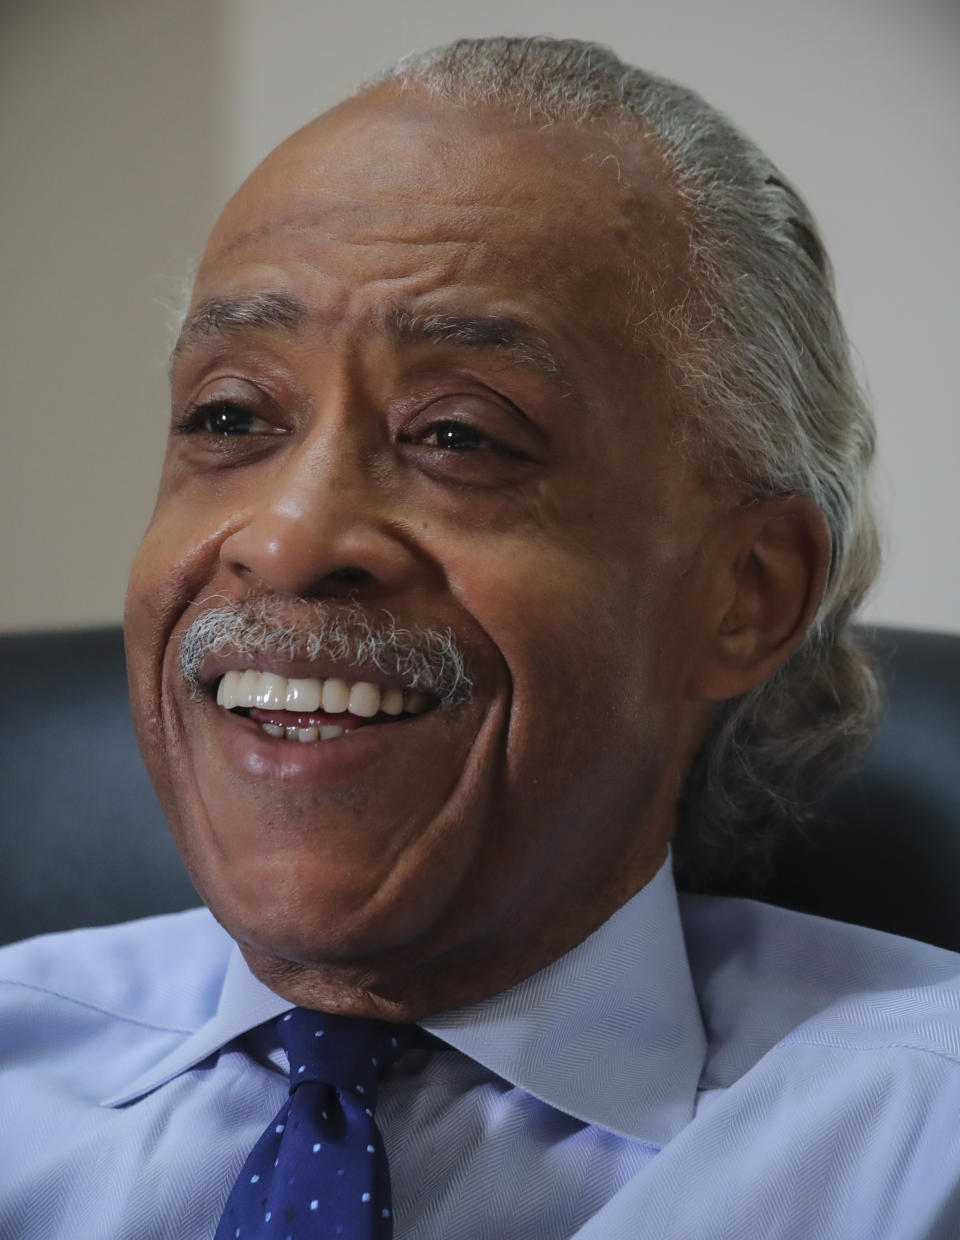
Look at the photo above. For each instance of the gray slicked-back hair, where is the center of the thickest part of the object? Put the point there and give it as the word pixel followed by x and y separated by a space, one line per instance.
pixel 766 397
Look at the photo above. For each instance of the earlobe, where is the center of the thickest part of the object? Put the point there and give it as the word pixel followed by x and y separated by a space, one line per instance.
pixel 774 561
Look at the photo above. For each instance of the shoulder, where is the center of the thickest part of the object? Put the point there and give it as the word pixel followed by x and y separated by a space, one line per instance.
pixel 771 977
pixel 832 1049
pixel 164 972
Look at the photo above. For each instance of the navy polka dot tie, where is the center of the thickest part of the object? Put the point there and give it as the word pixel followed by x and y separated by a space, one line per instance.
pixel 320 1170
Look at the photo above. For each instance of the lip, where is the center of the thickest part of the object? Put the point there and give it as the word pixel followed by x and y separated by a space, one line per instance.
pixel 250 752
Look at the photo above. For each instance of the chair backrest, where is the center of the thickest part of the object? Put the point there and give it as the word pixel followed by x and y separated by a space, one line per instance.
pixel 883 848
pixel 84 841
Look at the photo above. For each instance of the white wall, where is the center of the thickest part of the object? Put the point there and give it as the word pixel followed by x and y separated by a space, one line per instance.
pixel 857 100
pixel 109 175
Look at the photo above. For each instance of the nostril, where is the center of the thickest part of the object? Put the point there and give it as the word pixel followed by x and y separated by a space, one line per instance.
pixel 349 575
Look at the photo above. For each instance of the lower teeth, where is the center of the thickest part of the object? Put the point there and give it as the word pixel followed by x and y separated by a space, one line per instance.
pixel 328 732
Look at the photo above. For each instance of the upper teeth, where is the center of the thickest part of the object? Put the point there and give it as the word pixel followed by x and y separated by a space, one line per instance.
pixel 307 696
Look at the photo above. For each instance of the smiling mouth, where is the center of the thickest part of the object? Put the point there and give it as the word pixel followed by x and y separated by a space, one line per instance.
pixel 305 709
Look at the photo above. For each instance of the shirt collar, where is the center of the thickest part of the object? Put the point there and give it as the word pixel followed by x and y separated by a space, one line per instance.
pixel 244 1003
pixel 609 1033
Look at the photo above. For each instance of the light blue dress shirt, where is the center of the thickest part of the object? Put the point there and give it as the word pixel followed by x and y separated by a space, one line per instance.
pixel 697 1069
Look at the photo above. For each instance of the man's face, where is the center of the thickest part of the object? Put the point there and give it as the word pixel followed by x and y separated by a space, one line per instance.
pixel 415 395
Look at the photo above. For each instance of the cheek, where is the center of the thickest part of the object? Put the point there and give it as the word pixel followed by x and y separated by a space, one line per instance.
pixel 152 607
pixel 176 560
pixel 590 727
pixel 581 630
pixel 169 573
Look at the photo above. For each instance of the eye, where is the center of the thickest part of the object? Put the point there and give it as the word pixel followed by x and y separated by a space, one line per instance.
pixel 471 440
pixel 451 436
pixel 225 418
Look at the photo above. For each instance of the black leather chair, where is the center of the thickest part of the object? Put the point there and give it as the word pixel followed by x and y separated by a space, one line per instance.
pixel 84 842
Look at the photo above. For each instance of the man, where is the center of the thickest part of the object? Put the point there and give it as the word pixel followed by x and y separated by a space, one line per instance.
pixel 512 520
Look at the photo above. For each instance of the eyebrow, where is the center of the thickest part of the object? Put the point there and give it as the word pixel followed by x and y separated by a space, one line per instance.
pixel 505 334
pixel 222 315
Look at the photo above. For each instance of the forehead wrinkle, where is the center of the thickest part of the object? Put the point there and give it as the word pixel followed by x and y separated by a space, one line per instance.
pixel 320 213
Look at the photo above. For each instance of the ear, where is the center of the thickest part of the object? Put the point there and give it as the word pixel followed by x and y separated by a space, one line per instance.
pixel 769 570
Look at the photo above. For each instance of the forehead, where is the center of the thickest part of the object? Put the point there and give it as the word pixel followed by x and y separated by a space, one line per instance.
pixel 398 199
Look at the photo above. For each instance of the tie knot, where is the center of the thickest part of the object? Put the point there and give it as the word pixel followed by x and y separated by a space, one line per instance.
pixel 347 1052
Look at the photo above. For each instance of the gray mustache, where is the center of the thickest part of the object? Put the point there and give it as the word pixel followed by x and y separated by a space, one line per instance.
pixel 427 659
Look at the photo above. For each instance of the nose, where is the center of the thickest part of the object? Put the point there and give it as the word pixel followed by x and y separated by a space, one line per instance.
pixel 320 525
